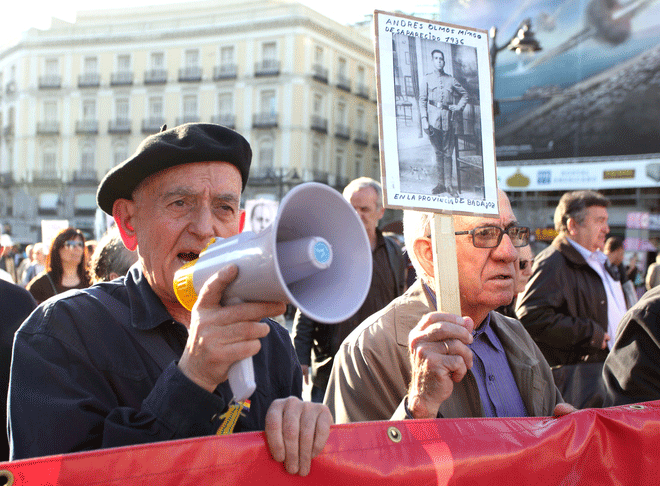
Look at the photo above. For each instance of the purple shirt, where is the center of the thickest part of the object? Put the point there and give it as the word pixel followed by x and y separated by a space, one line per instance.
pixel 498 391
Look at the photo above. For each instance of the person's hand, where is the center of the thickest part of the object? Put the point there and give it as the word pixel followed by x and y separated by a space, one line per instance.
pixel 220 336
pixel 296 432
pixel 305 373
pixel 425 125
pixel 606 338
pixel 440 357
pixel 562 409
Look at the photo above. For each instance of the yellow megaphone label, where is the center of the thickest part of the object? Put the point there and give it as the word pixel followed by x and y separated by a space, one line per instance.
pixel 183 286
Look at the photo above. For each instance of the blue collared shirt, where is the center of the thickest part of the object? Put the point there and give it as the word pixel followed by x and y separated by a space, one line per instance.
pixel 498 391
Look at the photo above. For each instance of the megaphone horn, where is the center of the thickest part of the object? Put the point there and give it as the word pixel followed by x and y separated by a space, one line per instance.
pixel 315 255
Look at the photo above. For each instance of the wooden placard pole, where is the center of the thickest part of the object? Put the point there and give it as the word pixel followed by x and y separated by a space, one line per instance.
pixel 445 265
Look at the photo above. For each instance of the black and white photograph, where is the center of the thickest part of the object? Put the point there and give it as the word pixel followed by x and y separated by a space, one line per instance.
pixel 436 116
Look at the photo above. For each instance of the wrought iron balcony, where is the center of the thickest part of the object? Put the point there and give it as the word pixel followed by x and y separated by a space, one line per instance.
pixel 152 125
pixel 225 71
pixel 87 127
pixel 264 120
pixel 361 137
pixel 225 120
pixel 320 73
pixel 343 83
pixel 267 67
pixel 190 74
pixel 85 176
pixel 50 81
pixel 121 78
pixel 119 126
pixel 319 124
pixel 48 128
pixel 155 76
pixel 362 90
pixel 187 119
pixel 89 80
pixel 343 132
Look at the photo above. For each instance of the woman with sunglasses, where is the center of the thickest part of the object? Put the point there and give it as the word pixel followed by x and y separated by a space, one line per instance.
pixel 66 267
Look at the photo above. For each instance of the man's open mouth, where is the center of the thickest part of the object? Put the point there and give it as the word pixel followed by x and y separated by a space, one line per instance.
pixel 188 256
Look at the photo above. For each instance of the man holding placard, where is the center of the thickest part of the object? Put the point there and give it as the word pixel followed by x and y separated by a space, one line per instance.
pixel 409 361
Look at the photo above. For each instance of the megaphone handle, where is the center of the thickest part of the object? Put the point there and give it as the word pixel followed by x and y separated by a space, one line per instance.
pixel 241 379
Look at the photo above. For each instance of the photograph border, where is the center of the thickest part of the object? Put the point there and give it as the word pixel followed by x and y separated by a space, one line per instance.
pixel 387 26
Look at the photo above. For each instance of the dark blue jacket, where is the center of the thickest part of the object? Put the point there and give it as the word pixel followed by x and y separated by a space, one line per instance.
pixel 97 368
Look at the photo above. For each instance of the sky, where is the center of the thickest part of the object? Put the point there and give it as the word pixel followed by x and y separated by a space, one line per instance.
pixel 21 15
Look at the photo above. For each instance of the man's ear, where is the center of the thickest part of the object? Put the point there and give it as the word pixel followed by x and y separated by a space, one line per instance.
pixel 423 249
pixel 123 211
pixel 570 226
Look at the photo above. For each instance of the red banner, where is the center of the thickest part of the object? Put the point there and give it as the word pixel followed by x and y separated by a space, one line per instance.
pixel 618 445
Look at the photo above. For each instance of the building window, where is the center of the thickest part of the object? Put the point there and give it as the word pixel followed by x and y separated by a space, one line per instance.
pixel 227 55
pixel 121 109
pixel 48 202
pixel 49 162
pixel 358 165
pixel 157 60
pixel 225 113
pixel 87 160
pixel 156 107
pixel 89 110
pixel 119 154
pixel 266 154
pixel 269 64
pixel 91 65
pixel 124 63
pixel 190 109
pixel 84 205
pixel 318 55
pixel 191 58
pixel 318 104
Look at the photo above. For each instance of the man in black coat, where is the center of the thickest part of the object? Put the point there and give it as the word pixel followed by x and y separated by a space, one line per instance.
pixel 16 304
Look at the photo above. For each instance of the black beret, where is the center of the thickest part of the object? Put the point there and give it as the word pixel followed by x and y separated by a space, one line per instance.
pixel 192 142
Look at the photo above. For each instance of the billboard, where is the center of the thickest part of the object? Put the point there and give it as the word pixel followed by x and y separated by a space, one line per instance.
pixel 594 88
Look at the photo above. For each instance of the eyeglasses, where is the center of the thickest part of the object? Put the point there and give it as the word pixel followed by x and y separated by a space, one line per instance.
pixel 523 263
pixel 73 244
pixel 491 236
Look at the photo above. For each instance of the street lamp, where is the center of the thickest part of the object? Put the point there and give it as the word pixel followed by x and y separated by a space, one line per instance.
pixel 522 42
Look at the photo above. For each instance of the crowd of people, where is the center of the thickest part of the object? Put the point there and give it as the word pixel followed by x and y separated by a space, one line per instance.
pixel 121 362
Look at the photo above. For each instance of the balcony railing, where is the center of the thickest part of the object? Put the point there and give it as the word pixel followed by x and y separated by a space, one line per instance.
pixel 89 80
pixel 343 83
pixel 264 120
pixel 87 176
pixel 187 119
pixel 121 78
pixel 361 137
pixel 50 81
pixel 155 76
pixel 267 67
pixel 319 124
pixel 225 120
pixel 152 125
pixel 225 71
pixel 190 74
pixel 87 127
pixel 8 131
pixel 45 175
pixel 320 73
pixel 119 126
pixel 48 128
pixel 343 132
pixel 362 90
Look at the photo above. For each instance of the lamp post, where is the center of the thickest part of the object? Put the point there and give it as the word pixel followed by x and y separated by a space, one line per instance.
pixel 523 41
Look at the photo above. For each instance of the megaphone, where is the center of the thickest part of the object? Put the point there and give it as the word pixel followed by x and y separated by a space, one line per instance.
pixel 315 255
